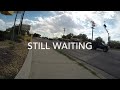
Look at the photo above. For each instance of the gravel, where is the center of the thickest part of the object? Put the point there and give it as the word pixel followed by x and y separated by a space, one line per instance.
pixel 12 58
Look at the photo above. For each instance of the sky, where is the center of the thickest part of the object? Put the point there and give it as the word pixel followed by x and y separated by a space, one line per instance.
pixel 52 23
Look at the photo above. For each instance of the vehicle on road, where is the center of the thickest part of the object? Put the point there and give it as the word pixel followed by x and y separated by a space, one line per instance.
pixel 100 45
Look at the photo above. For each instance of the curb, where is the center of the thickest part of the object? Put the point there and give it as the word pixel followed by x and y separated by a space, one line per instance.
pixel 85 65
pixel 25 70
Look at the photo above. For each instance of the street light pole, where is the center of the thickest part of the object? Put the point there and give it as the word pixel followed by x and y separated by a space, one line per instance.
pixel 92 33
pixel 107 33
pixel 93 25
pixel 64 31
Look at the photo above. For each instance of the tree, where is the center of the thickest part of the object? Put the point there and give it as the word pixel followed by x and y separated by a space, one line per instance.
pixel 36 35
pixel 83 37
pixel 64 37
pixel 89 40
pixel 115 44
pixel 69 36
pixel 99 40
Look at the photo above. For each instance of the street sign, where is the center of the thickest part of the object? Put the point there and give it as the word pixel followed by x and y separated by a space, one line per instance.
pixel 7 12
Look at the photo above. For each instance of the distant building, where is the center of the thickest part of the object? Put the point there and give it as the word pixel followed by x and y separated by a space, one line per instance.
pixel 76 40
pixel 24 29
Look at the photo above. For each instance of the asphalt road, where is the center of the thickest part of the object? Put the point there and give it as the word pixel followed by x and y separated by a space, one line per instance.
pixel 108 62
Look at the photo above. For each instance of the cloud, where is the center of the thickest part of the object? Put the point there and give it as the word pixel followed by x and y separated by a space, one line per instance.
pixel 2 25
pixel 56 23
pixel 75 22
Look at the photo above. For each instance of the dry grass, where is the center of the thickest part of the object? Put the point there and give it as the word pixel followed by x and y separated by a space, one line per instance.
pixel 12 57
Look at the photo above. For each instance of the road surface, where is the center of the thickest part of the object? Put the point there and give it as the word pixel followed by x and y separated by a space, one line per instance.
pixel 108 62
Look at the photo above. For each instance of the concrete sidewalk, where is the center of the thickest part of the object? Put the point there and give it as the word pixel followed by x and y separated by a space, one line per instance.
pixel 50 64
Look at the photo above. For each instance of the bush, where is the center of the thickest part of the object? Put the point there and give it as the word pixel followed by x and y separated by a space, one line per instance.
pixel 36 35
pixel 115 44
pixel 11 42
pixel 2 36
pixel 19 39
pixel 27 38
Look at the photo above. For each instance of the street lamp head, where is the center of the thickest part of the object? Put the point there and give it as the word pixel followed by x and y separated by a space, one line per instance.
pixel 93 27
pixel 104 26
pixel 93 24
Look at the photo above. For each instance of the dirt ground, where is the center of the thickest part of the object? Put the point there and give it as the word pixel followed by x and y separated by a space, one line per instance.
pixel 12 57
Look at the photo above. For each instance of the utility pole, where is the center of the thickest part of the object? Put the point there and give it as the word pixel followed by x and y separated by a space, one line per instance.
pixel 93 27
pixel 14 25
pixel 20 26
